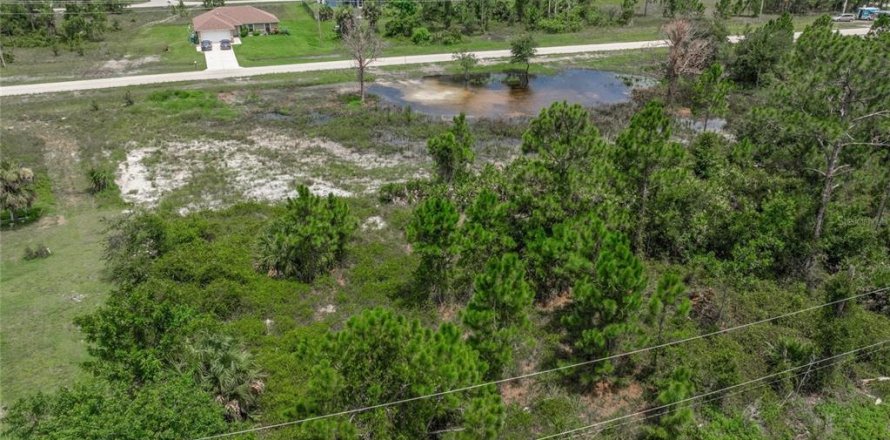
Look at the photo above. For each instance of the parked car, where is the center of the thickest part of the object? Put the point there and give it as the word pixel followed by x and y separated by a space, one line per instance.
pixel 225 45
pixel 843 17
pixel 206 45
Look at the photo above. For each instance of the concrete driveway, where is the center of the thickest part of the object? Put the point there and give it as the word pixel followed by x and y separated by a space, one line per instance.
pixel 221 59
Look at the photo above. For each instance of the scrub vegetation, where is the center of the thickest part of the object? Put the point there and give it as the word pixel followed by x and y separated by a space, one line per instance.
pixel 473 250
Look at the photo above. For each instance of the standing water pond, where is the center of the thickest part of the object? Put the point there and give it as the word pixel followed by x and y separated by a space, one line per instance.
pixel 499 95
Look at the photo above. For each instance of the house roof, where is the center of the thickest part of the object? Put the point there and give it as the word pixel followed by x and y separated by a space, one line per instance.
pixel 229 17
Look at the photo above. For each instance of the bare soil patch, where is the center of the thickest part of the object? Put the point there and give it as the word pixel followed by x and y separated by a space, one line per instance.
pixel 264 167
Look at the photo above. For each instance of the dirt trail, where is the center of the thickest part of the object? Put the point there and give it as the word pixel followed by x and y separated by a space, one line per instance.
pixel 62 159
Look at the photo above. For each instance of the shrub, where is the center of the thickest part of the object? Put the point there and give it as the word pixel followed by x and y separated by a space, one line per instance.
pixel 420 36
pixel 724 9
pixel 7 56
pixel 100 179
pixel 450 36
pixel 403 192
pixel 40 251
pixel 552 25
pixel 244 32
pixel 308 239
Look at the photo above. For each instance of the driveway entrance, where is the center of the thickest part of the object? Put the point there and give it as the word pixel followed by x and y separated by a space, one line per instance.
pixel 221 59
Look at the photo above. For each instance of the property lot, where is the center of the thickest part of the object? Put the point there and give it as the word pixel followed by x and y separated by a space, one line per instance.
pixel 154 41
pixel 150 41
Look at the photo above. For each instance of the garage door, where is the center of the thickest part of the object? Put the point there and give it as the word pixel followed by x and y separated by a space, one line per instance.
pixel 215 36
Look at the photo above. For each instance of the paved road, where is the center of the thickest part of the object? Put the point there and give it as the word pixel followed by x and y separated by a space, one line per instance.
pixel 126 81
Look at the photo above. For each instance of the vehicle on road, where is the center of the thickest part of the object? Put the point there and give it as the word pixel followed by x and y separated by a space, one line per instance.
pixel 225 45
pixel 867 13
pixel 206 45
pixel 843 18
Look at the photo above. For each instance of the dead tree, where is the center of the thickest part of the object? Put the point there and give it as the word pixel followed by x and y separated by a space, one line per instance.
pixel 364 46
pixel 688 54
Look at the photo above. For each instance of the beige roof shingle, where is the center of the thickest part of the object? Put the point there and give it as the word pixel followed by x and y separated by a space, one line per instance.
pixel 229 17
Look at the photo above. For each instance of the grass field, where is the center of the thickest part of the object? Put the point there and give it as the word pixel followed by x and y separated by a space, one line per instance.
pixel 149 42
pixel 41 348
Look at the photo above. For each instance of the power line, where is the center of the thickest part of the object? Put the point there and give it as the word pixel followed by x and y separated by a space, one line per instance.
pixel 537 373
pixel 712 398
pixel 658 408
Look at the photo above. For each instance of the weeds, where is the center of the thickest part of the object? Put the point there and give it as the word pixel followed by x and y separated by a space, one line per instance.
pixel 38 252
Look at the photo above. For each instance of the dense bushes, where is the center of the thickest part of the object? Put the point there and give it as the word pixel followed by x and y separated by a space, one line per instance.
pixel 308 239
pixel 380 357
pixel 168 409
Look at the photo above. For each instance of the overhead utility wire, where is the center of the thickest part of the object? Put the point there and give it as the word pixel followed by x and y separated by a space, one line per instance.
pixel 722 396
pixel 541 372
pixel 748 382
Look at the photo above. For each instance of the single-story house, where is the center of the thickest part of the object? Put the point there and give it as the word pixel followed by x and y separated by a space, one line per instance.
pixel 226 22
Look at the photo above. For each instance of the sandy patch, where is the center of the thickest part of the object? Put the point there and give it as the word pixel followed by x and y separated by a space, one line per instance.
pixel 605 400
pixel 264 167
pixel 126 63
pixel 374 223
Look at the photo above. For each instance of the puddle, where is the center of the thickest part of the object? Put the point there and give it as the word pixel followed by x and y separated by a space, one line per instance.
pixel 500 95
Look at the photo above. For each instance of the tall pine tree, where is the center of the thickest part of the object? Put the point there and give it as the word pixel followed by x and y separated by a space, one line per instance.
pixel 643 150
pixel 497 310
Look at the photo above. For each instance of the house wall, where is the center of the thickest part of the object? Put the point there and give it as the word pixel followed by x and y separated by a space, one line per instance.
pixel 261 27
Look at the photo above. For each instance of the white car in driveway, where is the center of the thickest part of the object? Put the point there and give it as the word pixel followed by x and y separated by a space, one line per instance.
pixel 843 18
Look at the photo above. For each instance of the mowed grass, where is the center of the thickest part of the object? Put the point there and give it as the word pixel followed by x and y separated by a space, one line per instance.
pixel 310 42
pixel 41 348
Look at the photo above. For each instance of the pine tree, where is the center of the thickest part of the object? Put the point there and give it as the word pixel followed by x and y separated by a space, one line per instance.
pixel 761 50
pixel 710 94
pixel 827 113
pixel 486 231
pixel 643 150
pixel 497 310
pixel 452 151
pixel 433 233
pixel 674 420
pixel 563 139
pixel 606 298
pixel 668 303
pixel 381 357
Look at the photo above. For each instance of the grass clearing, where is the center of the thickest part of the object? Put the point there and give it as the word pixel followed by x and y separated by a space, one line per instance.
pixel 150 41
pixel 42 348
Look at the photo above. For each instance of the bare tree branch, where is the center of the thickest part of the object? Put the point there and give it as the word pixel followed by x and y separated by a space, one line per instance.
pixel 364 46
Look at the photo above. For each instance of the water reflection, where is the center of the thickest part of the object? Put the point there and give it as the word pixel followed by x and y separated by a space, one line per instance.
pixel 504 95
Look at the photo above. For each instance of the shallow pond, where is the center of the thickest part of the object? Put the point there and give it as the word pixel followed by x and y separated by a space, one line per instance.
pixel 500 95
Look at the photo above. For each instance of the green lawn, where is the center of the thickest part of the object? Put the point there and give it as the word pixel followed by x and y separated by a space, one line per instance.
pixel 41 347
pixel 308 42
